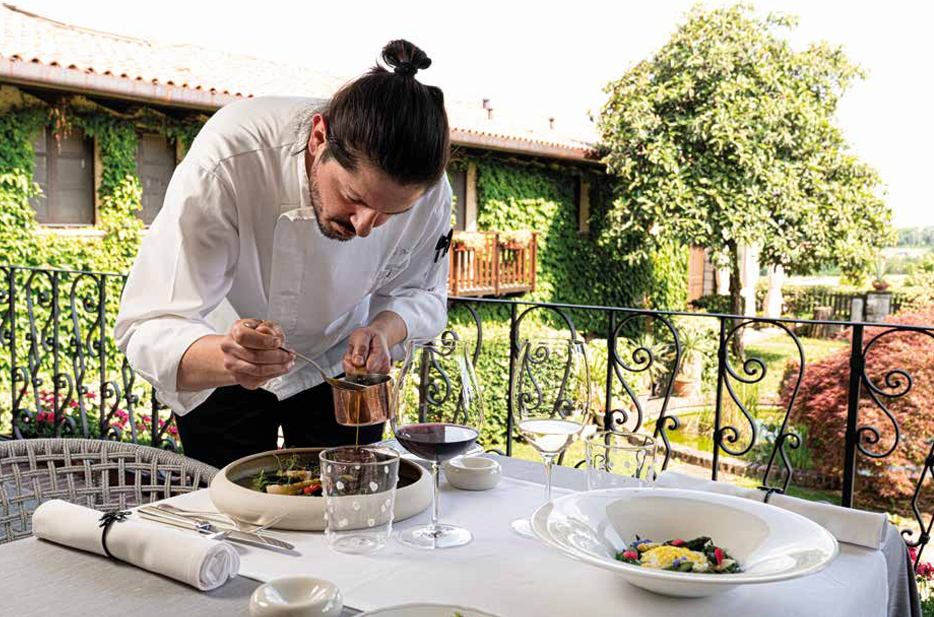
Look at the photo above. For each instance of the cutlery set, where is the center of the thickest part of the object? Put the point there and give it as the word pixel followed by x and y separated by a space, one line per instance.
pixel 217 527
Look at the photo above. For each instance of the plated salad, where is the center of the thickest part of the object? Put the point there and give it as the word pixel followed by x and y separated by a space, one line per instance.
pixel 698 555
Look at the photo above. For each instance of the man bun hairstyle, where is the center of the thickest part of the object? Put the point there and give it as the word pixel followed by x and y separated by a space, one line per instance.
pixel 391 120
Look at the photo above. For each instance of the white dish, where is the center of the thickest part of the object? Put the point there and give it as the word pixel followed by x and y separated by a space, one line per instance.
pixel 426 610
pixel 296 596
pixel 770 544
pixel 302 513
pixel 472 473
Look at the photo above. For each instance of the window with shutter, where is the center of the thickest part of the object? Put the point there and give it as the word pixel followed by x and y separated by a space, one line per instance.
pixel 155 162
pixel 458 181
pixel 64 171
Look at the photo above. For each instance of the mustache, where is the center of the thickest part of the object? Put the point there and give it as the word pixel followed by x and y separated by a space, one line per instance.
pixel 346 225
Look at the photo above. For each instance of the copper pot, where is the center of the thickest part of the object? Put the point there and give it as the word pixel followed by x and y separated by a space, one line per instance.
pixel 364 407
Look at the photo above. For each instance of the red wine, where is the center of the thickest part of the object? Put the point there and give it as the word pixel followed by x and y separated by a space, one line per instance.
pixel 436 442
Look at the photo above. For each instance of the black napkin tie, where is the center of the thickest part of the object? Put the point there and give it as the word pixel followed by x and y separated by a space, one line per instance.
pixel 108 519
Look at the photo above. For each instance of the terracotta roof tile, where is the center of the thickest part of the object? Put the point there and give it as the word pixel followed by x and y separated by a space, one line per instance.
pixel 29 38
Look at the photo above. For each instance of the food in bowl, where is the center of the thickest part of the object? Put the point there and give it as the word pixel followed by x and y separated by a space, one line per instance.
pixel 698 555
pixel 291 478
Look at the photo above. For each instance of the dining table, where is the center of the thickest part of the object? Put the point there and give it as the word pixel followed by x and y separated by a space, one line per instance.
pixel 499 572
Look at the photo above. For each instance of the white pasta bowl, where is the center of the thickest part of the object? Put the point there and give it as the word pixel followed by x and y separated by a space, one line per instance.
pixel 769 543
pixel 231 493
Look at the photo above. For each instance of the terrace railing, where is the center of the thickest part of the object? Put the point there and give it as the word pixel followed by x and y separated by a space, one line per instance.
pixel 65 377
pixel 492 263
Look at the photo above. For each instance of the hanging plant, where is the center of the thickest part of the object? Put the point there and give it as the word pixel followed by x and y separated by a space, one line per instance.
pixel 516 240
pixel 469 241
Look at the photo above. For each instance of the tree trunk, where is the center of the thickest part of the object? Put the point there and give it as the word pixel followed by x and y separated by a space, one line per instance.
pixel 736 301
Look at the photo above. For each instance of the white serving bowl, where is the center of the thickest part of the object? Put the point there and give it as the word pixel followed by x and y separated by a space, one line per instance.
pixel 472 473
pixel 770 544
pixel 426 610
pixel 296 596
pixel 230 494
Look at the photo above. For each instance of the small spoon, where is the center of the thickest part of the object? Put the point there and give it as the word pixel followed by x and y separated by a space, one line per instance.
pixel 337 383
pixel 334 382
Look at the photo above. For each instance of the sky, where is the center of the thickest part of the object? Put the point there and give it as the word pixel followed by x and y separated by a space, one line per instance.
pixel 556 57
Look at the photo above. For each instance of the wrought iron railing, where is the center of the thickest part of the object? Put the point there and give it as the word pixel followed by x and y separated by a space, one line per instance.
pixel 64 375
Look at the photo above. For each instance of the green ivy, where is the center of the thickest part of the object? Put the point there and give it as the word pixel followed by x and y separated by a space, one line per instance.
pixel 119 193
pixel 573 268
pixel 119 197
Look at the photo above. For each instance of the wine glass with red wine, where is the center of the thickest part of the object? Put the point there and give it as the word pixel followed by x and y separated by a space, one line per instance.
pixel 438 416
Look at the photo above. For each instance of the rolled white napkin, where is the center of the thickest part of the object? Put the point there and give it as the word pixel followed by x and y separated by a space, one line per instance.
pixel 186 557
pixel 846 524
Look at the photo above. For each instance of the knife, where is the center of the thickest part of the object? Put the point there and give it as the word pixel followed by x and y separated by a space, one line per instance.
pixel 211 530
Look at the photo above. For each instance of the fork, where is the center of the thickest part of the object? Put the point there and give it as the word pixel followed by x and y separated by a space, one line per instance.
pixel 240 525
pixel 211 530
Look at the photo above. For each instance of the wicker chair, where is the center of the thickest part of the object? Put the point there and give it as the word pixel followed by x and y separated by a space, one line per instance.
pixel 102 475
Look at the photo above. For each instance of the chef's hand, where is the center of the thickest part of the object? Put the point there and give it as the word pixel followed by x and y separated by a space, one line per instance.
pixel 367 352
pixel 251 352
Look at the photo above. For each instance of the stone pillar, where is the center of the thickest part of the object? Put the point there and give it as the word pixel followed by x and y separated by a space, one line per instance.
pixel 773 299
pixel 749 276
pixel 470 208
pixel 878 306
pixel 723 281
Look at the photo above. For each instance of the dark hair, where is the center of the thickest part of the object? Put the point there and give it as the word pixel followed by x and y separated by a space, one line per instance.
pixel 391 120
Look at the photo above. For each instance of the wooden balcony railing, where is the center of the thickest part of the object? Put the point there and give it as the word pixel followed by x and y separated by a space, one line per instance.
pixel 492 263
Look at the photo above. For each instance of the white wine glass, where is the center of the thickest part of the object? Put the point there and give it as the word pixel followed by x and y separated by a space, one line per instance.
pixel 550 401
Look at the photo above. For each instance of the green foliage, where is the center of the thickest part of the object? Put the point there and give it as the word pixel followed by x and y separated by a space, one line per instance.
pixel 23 243
pixel 712 303
pixel 726 138
pixel 574 268
pixel 916 236
pixel 922 274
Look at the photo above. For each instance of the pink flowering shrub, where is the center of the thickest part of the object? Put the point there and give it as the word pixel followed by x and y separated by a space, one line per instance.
pixel 43 423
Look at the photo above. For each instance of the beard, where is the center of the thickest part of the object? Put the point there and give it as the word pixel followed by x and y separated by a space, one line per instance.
pixel 331 228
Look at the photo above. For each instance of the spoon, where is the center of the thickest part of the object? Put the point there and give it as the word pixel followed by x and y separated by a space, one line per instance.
pixel 342 384
pixel 335 382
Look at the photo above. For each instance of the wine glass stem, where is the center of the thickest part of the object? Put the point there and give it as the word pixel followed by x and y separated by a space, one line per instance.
pixel 548 462
pixel 435 490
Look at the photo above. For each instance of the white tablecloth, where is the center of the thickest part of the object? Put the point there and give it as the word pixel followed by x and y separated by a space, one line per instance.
pixel 516 577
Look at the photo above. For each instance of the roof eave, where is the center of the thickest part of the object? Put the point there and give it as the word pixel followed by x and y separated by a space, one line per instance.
pixel 518 146
pixel 58 78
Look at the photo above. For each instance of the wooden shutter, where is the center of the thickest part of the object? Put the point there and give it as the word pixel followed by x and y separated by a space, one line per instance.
pixel 458 181
pixel 155 166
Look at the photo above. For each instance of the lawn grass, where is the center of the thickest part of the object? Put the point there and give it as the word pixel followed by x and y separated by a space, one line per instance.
pixel 777 350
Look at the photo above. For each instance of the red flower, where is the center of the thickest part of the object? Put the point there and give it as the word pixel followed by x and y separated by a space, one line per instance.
pixel 719 555
pixel 677 542
pixel 630 555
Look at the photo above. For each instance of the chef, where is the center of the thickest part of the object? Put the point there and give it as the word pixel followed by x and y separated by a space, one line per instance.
pixel 316 228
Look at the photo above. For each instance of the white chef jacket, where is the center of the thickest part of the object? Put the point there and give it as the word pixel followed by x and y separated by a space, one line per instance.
pixel 237 237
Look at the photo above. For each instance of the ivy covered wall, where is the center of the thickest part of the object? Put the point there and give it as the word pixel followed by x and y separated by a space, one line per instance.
pixel 573 267
pixel 119 192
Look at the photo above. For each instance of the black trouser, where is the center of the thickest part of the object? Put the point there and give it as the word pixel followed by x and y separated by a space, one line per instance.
pixel 235 422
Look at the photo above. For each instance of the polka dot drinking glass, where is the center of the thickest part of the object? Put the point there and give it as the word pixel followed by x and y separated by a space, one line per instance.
pixel 359 486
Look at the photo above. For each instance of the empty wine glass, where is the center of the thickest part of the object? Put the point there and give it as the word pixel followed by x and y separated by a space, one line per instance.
pixel 551 401
pixel 438 415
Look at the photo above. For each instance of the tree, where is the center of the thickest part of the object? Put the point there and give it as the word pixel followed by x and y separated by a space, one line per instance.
pixel 726 138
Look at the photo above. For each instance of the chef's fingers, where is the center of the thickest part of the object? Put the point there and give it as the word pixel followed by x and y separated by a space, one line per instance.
pixel 359 343
pixel 251 333
pixel 378 360
pixel 255 356
pixel 247 369
pixel 271 327
pixel 349 367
